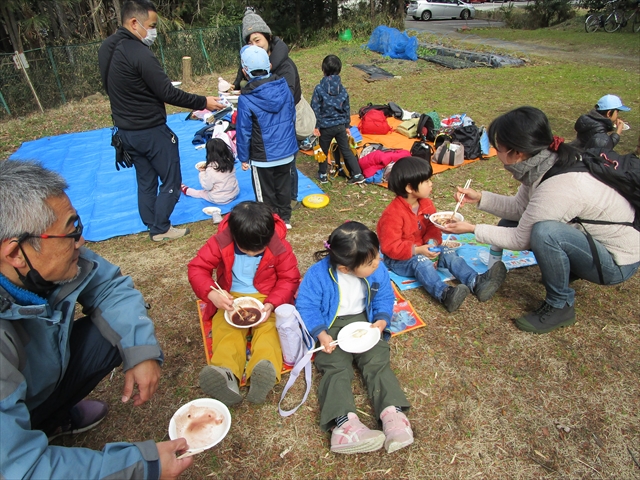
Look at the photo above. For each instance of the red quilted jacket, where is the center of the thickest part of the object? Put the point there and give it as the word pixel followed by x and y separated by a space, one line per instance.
pixel 399 229
pixel 277 275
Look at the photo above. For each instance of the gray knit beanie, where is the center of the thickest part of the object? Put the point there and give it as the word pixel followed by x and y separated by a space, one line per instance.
pixel 251 23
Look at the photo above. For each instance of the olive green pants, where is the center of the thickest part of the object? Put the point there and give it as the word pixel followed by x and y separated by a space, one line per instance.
pixel 335 393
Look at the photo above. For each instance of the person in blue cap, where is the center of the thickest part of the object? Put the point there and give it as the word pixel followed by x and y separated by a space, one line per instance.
pixel 265 131
pixel 601 127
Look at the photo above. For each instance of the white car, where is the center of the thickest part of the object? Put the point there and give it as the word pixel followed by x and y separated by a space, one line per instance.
pixel 441 9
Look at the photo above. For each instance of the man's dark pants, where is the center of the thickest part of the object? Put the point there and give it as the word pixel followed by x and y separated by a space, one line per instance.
pixel 92 358
pixel 155 155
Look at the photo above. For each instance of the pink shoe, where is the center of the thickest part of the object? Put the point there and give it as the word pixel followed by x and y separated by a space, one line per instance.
pixel 397 429
pixel 354 437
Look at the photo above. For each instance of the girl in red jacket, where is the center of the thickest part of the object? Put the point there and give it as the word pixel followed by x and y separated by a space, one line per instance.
pixel 404 230
pixel 250 257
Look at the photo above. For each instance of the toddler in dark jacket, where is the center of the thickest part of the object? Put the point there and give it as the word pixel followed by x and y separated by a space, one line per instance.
pixel 593 128
pixel 330 103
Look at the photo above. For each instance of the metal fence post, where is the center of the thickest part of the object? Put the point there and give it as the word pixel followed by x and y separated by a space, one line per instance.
pixel 4 104
pixel 204 51
pixel 55 74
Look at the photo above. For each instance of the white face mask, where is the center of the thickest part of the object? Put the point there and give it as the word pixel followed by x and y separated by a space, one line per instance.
pixel 152 33
pixel 151 36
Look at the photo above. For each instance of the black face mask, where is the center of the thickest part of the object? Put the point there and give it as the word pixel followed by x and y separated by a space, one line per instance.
pixel 33 281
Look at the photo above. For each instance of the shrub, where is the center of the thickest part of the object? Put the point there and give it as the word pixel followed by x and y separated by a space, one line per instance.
pixel 545 13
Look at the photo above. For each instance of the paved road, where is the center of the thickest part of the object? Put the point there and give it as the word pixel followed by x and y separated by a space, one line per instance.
pixel 443 27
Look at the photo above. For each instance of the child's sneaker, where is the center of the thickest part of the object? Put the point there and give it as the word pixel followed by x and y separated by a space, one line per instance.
pixel 453 297
pixel 220 383
pixel 397 429
pixel 353 437
pixel 488 282
pixel 356 179
pixel 262 380
pixel 323 178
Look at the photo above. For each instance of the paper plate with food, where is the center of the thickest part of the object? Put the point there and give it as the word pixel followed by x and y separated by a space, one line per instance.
pixel 358 337
pixel 203 422
pixel 247 312
pixel 441 219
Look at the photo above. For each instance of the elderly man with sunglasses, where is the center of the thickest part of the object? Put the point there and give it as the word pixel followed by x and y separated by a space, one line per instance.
pixel 49 360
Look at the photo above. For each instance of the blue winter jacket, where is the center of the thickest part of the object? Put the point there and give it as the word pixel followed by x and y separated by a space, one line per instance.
pixel 319 297
pixel 34 355
pixel 330 103
pixel 266 121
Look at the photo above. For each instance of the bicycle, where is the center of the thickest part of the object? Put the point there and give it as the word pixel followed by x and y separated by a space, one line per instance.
pixel 596 21
pixel 617 19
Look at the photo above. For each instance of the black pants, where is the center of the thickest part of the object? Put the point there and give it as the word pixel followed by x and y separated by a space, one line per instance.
pixel 155 155
pixel 92 358
pixel 272 185
pixel 294 180
pixel 338 132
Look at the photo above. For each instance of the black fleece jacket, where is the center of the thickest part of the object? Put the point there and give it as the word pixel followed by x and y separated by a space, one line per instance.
pixel 137 86
pixel 592 129
pixel 282 66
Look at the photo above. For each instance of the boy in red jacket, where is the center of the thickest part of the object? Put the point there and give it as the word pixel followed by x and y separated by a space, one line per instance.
pixel 404 230
pixel 250 257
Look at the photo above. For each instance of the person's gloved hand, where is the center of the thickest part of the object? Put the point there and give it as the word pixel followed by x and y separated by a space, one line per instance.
pixel 123 159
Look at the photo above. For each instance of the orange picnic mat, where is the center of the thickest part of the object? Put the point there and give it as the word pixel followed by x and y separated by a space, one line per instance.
pixel 397 140
pixel 404 319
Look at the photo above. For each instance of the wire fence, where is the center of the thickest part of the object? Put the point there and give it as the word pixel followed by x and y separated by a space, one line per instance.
pixel 61 74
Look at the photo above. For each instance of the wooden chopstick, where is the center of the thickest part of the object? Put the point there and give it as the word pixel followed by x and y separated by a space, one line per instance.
pixel 466 185
pixel 237 308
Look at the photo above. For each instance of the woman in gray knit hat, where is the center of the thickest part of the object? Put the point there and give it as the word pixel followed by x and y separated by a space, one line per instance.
pixel 256 32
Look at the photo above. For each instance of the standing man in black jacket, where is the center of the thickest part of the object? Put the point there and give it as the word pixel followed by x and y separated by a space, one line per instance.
pixel 138 89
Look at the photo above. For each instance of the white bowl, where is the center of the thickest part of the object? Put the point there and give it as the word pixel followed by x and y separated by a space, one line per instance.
pixel 441 216
pixel 203 422
pixel 176 84
pixel 201 165
pixel 246 302
pixel 211 210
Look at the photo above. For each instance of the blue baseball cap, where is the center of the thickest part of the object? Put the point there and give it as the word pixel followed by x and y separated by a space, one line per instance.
pixel 611 102
pixel 254 58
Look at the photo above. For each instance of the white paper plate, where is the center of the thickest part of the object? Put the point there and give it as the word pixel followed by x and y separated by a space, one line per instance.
pixel 625 126
pixel 200 165
pixel 358 337
pixel 434 217
pixel 246 302
pixel 211 210
pixel 203 422
pixel 176 84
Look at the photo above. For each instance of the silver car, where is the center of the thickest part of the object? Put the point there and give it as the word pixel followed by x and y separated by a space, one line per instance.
pixel 441 9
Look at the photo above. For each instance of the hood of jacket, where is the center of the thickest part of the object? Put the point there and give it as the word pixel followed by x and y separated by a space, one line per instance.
pixel 279 53
pixel 593 122
pixel 332 86
pixel 270 92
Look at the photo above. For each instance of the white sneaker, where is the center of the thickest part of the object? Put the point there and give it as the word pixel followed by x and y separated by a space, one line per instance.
pixel 170 234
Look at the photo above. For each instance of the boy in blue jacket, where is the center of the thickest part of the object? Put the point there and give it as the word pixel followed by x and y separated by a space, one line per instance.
pixel 330 103
pixel 265 131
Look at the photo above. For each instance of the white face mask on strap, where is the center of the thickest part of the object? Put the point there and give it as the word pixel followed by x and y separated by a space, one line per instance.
pixel 151 36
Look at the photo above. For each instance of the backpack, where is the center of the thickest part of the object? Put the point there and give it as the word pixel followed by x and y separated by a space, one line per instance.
pixel 422 150
pixel 385 109
pixel 374 122
pixel 469 137
pixel 620 172
pixel 426 128
pixel 295 341
pixel 336 167
pixel 396 110
pixel 367 148
pixel 409 128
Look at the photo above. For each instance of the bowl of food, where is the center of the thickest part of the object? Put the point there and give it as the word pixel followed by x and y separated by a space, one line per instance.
pixel 246 314
pixel 201 165
pixel 203 422
pixel 441 219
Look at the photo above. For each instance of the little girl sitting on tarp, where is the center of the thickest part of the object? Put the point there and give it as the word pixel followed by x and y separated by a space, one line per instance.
pixel 218 176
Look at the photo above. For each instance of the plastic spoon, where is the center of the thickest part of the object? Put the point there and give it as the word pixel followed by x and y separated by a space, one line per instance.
pixel 335 342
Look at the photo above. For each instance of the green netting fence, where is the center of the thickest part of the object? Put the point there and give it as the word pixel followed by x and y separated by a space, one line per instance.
pixel 62 74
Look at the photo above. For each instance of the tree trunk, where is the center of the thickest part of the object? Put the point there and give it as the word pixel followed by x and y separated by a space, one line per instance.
pixel 116 8
pixel 53 21
pixel 95 7
pixel 372 5
pixel 12 26
pixel 334 12
pixel 62 21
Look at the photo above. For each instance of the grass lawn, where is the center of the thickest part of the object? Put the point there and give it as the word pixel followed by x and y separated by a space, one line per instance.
pixel 488 401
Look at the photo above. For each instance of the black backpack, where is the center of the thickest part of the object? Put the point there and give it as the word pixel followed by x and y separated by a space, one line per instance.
pixel 426 128
pixel 469 137
pixel 370 106
pixel 422 150
pixel 620 172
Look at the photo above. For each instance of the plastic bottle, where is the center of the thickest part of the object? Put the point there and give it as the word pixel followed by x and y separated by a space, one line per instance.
pixel 495 255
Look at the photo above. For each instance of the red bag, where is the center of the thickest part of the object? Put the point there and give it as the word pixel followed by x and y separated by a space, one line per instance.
pixel 374 123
